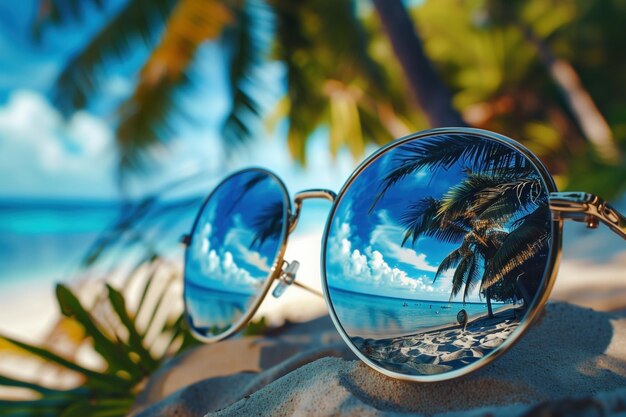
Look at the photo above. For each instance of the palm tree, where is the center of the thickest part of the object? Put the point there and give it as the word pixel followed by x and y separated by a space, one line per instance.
pixel 479 240
pixel 341 74
pixel 497 213
pixel 324 46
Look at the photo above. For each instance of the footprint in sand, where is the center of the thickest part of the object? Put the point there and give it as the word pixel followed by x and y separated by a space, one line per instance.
pixel 491 343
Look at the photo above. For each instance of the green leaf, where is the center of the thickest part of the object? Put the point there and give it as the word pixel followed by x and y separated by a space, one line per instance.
pixel 135 340
pixel 16 383
pixel 159 302
pixel 81 78
pixel 255 328
pixel 116 354
pixel 103 381
pixel 100 408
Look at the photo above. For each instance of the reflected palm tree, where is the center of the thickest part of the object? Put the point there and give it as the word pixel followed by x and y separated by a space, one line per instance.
pixel 268 223
pixel 255 179
pixel 498 216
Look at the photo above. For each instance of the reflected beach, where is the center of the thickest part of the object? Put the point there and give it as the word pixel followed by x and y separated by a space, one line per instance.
pixel 436 252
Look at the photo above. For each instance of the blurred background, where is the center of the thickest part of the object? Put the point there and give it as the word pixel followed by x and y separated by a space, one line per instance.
pixel 117 118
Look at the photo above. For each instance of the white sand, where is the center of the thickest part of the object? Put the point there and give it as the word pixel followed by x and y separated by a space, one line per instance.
pixel 307 370
pixel 572 352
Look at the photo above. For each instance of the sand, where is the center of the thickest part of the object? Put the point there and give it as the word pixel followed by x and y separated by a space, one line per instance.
pixel 440 350
pixel 571 362
pixel 573 357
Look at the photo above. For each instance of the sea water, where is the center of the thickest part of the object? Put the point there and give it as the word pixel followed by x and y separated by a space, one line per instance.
pixel 43 241
pixel 375 316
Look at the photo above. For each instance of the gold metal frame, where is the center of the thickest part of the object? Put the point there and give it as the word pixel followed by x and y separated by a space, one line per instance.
pixel 549 273
pixel 572 205
pixel 275 271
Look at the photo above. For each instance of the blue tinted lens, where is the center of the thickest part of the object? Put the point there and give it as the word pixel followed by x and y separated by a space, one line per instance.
pixel 436 252
pixel 233 249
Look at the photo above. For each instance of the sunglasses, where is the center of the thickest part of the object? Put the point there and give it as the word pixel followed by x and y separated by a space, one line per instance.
pixel 438 253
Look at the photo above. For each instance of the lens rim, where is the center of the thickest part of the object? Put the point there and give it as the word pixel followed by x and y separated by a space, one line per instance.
pixel 274 271
pixel 549 273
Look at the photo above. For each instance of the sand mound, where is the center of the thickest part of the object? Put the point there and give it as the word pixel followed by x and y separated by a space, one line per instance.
pixel 573 359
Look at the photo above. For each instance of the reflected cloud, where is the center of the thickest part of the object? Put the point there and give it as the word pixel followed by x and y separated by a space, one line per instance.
pixel 221 269
pixel 387 234
pixel 238 234
pixel 367 271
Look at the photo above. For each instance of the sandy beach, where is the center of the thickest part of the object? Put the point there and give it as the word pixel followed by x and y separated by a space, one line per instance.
pixel 440 350
pixel 573 359
pixel 307 370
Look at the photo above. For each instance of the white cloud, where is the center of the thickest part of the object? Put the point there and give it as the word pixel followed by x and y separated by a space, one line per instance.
pixel 238 234
pixel 367 271
pixel 42 154
pixel 220 268
pixel 387 234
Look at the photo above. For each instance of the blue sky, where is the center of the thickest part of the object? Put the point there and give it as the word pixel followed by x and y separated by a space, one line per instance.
pixel 44 156
pixel 221 254
pixel 364 252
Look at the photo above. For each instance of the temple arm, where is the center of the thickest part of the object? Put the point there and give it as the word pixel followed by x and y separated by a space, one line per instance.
pixel 307 288
pixel 587 208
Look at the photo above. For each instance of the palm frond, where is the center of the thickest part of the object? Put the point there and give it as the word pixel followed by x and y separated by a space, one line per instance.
pixel 460 275
pixel 472 277
pixel 507 199
pixel 144 117
pixel 268 223
pixel 442 152
pixel 248 47
pixel 324 46
pixel 459 200
pixel 520 246
pixel 138 20
pixel 419 218
pixel 451 261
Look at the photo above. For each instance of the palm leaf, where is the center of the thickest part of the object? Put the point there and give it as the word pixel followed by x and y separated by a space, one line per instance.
pixel 458 201
pixel 472 277
pixel 114 353
pixel 135 339
pixel 529 238
pixel 249 52
pixel 116 407
pixel 268 223
pixel 323 45
pixel 80 79
pixel 479 155
pixel 145 118
pixel 507 199
pixel 105 382
pixel 420 218
pixel 451 261
pixel 460 274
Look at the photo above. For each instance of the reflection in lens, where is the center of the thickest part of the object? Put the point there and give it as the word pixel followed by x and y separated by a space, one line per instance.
pixel 436 252
pixel 234 244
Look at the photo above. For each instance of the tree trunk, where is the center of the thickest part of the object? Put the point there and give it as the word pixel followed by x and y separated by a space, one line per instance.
pixel 488 297
pixel 591 122
pixel 432 96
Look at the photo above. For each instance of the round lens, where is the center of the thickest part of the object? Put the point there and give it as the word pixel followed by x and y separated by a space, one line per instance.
pixel 437 251
pixel 233 251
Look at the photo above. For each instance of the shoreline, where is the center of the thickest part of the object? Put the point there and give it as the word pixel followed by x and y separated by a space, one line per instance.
pixel 427 329
pixel 440 350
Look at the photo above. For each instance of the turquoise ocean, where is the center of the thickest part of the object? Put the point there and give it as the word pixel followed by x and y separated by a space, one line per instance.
pixel 43 241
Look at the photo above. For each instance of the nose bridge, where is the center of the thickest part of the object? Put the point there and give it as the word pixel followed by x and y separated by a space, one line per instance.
pixel 320 193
